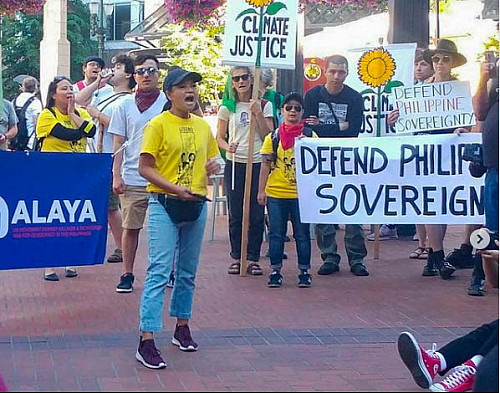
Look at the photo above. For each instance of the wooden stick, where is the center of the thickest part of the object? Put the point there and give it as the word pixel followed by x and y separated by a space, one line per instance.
pixel 376 245
pixel 248 179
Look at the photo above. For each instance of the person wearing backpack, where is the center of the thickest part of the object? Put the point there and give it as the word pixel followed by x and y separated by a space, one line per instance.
pixel 278 190
pixel 27 106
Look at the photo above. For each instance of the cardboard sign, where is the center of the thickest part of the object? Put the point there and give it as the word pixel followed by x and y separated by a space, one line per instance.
pixel 411 180
pixel 401 58
pixel 278 20
pixel 434 106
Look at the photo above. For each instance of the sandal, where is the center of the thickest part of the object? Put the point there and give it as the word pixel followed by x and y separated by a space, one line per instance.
pixel 116 257
pixel 417 254
pixel 234 268
pixel 425 254
pixel 254 269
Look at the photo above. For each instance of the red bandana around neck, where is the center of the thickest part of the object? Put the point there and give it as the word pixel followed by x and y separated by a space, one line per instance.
pixel 144 100
pixel 288 133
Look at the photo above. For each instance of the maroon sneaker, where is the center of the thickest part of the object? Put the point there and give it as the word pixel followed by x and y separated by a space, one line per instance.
pixel 148 355
pixel 460 380
pixel 182 338
pixel 423 365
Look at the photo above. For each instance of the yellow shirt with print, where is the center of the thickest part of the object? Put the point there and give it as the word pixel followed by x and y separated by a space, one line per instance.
pixel 282 181
pixel 181 148
pixel 47 121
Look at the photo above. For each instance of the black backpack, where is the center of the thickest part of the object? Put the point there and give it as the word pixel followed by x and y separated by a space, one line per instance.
pixel 275 140
pixel 20 141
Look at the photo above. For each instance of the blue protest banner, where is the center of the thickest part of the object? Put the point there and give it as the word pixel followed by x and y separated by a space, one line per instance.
pixel 53 209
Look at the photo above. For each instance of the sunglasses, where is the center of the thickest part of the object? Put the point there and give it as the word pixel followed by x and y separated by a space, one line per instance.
pixel 243 77
pixel 444 59
pixel 149 70
pixel 288 108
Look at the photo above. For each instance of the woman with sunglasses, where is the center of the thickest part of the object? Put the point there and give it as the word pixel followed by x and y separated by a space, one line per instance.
pixel 278 190
pixel 63 128
pixel 233 129
pixel 443 59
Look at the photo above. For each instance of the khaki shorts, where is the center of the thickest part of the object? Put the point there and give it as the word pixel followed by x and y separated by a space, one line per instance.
pixel 134 204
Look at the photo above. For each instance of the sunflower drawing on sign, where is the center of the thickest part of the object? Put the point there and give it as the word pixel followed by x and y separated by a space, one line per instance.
pixel 376 68
pixel 273 7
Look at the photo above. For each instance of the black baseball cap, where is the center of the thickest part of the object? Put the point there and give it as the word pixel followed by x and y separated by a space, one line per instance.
pixel 293 97
pixel 97 59
pixel 177 75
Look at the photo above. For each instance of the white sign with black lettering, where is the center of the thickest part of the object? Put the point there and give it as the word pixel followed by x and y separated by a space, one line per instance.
pixel 278 21
pixel 401 180
pixel 434 106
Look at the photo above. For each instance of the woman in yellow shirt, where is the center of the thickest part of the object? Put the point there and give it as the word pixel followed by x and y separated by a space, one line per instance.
pixel 278 189
pixel 63 128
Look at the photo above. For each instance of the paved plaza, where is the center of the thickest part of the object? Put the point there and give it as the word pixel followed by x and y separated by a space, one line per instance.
pixel 80 335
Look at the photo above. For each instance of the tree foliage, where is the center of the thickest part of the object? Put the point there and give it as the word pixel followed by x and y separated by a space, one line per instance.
pixel 198 50
pixel 21 38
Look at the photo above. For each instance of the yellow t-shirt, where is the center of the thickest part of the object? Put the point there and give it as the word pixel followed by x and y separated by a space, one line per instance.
pixel 282 181
pixel 181 148
pixel 47 121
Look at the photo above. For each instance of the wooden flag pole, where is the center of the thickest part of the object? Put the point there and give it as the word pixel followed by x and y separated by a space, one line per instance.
pixel 248 178
pixel 376 245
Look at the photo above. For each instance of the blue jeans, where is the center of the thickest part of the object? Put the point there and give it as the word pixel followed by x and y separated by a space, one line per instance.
pixel 164 238
pixel 491 199
pixel 279 210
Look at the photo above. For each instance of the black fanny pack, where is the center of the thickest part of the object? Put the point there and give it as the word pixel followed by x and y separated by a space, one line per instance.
pixel 181 211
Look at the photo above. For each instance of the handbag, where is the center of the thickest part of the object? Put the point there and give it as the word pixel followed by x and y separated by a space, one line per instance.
pixel 181 211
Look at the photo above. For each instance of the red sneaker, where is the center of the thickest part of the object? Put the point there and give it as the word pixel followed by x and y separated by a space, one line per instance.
pixel 460 380
pixel 423 365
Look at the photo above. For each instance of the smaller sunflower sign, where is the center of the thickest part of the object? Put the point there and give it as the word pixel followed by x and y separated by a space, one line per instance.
pixel 374 72
pixel 261 33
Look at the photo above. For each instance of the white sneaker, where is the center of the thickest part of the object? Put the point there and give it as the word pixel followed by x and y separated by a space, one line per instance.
pixel 386 233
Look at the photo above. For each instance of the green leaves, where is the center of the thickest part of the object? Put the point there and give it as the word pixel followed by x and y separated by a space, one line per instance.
pixel 274 8
pixel 367 91
pixel 246 12
pixel 391 85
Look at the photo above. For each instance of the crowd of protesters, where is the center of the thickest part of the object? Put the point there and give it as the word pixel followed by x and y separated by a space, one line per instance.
pixel 164 153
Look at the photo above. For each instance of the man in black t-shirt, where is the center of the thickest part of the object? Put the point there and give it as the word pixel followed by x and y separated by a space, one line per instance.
pixel 335 110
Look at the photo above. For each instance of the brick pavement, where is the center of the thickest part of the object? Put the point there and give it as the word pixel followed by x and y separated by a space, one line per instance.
pixel 79 335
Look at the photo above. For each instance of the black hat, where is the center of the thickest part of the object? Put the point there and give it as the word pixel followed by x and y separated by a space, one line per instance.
pixel 446 46
pixel 177 75
pixel 293 97
pixel 96 59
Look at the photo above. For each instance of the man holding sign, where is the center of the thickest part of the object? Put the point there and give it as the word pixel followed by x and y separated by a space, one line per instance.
pixel 336 110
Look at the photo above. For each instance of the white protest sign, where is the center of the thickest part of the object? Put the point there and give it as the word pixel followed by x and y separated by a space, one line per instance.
pixel 373 65
pixel 278 21
pixel 401 180
pixel 433 106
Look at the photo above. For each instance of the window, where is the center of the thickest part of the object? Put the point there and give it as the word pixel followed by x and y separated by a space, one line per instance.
pixel 124 18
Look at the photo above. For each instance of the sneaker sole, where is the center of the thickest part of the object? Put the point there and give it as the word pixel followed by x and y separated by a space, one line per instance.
pixel 410 355
pixel 122 290
pixel 185 349
pixel 475 293
pixel 140 359
pixel 304 285
pixel 274 285
pixel 436 388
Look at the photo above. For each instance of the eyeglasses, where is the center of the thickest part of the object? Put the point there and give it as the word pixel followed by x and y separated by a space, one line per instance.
pixel 149 70
pixel 445 59
pixel 288 108
pixel 243 77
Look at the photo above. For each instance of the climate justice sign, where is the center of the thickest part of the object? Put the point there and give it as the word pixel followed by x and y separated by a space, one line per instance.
pixel 277 23
pixel 434 106
pixel 411 180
